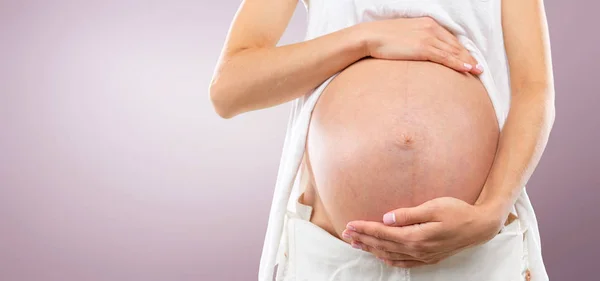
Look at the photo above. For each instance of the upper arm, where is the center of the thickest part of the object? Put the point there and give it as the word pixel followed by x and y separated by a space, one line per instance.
pixel 258 23
pixel 527 43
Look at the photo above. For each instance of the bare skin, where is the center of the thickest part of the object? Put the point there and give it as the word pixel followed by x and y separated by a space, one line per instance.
pixel 439 228
pixel 385 135
pixel 252 74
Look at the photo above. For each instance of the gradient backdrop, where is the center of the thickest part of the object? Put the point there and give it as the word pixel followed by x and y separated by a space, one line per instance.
pixel 113 165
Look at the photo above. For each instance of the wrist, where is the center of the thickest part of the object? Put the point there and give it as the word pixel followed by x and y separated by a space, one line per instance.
pixel 494 202
pixel 495 212
pixel 362 38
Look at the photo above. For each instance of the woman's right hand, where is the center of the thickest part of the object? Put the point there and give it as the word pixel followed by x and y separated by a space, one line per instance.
pixel 420 38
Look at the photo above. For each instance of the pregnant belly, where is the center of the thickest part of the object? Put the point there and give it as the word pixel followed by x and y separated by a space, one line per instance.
pixel 389 134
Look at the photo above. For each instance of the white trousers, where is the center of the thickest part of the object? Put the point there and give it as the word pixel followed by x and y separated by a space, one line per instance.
pixel 312 254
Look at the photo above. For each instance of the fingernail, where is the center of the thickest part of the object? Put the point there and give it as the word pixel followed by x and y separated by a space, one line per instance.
pixel 346 235
pixel 381 259
pixel 468 66
pixel 479 67
pixel 356 245
pixel 389 218
pixel 349 226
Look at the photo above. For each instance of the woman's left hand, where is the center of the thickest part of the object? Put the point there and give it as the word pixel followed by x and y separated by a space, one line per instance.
pixel 426 234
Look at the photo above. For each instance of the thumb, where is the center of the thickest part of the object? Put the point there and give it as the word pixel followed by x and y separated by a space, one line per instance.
pixel 408 216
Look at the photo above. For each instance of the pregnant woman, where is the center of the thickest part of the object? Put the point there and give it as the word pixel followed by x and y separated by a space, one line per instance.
pixel 415 126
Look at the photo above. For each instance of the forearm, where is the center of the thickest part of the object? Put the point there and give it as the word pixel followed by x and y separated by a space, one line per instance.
pixel 261 77
pixel 522 142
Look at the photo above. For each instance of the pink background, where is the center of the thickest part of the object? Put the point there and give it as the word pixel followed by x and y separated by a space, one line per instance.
pixel 113 165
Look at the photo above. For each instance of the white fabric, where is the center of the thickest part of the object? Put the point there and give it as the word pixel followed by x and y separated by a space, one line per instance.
pixel 314 254
pixel 477 25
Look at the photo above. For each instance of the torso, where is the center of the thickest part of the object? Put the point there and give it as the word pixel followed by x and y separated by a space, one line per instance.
pixel 389 134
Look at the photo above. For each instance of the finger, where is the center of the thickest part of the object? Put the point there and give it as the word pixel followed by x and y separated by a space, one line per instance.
pixel 443 255
pixel 375 245
pixel 405 263
pixel 446 36
pixel 478 69
pixel 449 48
pixel 458 51
pixel 423 213
pixel 450 39
pixel 448 59
pixel 379 230
pixel 391 256
pixel 462 54
pixel 466 56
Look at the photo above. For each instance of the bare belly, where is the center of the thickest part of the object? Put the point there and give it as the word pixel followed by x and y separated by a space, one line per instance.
pixel 390 134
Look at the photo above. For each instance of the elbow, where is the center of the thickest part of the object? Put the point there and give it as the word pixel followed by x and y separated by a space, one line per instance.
pixel 222 105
